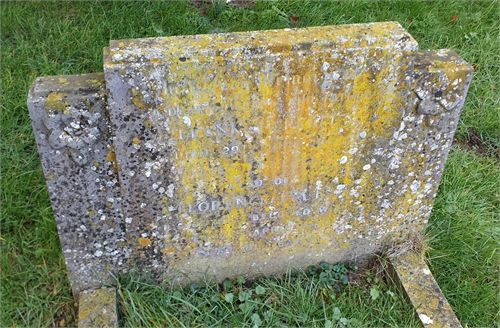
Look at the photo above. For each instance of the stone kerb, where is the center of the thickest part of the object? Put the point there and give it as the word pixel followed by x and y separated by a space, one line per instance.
pixel 244 153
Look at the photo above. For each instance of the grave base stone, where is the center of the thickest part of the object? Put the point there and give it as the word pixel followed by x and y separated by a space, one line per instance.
pixel 97 309
pixel 422 290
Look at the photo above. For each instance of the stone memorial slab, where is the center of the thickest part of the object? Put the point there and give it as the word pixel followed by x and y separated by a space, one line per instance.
pixel 246 153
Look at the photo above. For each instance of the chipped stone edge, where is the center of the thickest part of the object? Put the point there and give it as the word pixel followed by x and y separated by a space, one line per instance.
pixel 97 308
pixel 423 291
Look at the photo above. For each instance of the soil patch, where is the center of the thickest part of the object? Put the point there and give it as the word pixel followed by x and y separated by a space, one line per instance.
pixel 473 142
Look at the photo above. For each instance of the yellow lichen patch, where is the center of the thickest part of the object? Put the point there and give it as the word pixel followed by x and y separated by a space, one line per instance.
pixel 111 156
pixel 94 82
pixel 168 250
pixel 97 308
pixel 55 101
pixel 137 98
pixel 144 241
pixel 82 313
pixel 136 141
pixel 235 174
pixel 148 123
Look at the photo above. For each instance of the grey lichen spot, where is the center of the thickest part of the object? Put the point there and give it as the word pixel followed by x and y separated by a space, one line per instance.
pixel 77 131
pixel 429 89
pixel 427 106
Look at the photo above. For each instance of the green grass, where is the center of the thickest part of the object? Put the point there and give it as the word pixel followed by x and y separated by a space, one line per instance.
pixel 45 38
pixel 465 227
pixel 294 300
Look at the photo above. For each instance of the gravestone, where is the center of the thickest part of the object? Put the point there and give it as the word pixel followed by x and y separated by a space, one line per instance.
pixel 246 153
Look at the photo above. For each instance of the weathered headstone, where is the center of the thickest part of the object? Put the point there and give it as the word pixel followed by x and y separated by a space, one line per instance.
pixel 244 153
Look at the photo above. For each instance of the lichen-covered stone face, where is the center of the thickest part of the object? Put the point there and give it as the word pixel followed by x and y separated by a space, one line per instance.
pixel 70 124
pixel 244 153
pixel 249 151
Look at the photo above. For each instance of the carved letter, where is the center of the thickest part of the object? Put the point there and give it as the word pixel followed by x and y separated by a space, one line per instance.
pixel 203 206
pixel 239 202
pixel 215 205
pixel 219 128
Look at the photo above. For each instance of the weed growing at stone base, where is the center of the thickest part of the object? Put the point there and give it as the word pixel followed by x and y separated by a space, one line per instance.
pixel 296 299
pixel 51 38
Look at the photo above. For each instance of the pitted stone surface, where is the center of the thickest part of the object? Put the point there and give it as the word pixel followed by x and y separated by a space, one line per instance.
pixel 69 119
pixel 244 153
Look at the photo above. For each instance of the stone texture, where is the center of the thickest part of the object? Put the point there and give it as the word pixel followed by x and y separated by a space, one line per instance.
pixel 430 304
pixel 97 309
pixel 245 153
pixel 68 115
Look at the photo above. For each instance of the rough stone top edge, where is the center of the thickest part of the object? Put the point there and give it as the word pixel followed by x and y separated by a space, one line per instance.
pixel 91 82
pixel 447 55
pixel 351 36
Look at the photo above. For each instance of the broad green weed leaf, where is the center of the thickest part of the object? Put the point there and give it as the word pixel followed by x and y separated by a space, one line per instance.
pixel 244 295
pixel 256 320
pixel 229 297
pixel 374 292
pixel 336 314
